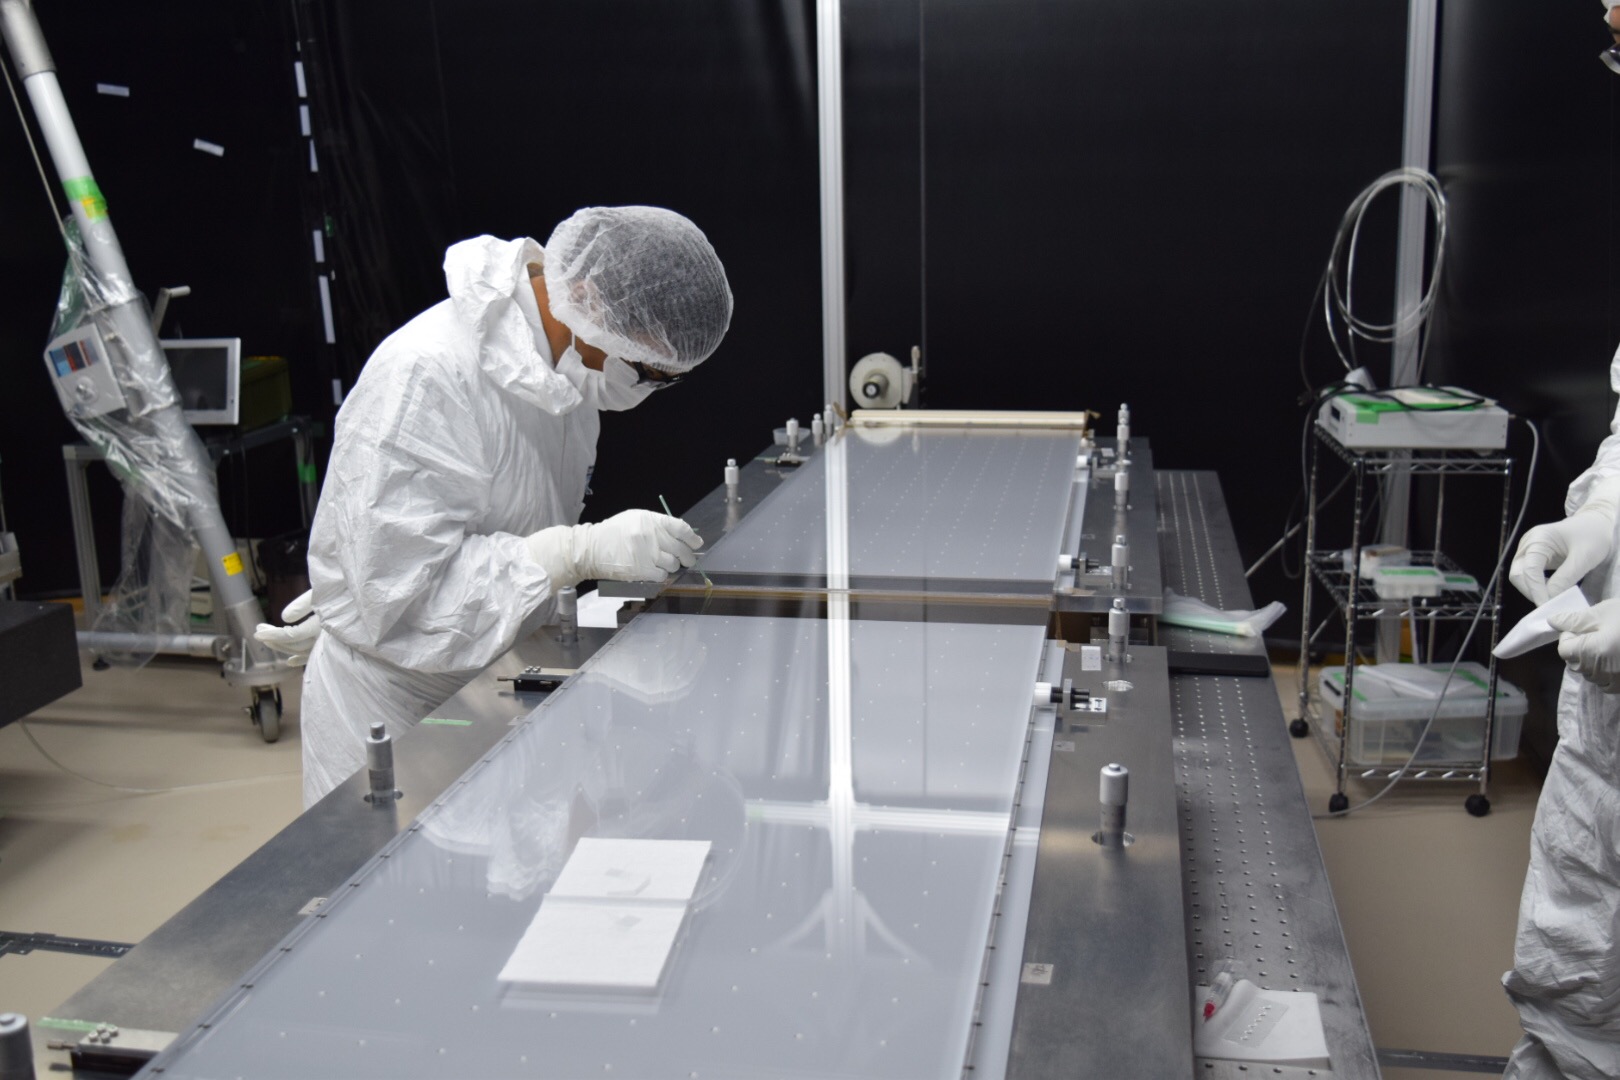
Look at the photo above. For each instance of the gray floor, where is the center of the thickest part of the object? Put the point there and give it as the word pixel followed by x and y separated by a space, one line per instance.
pixel 1428 895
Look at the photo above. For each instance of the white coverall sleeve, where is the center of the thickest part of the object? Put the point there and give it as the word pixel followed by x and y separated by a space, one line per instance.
pixel 1607 461
pixel 396 566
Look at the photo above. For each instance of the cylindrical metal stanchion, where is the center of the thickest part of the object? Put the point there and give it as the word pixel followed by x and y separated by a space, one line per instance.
pixel 568 615
pixel 1119 629
pixel 16 1048
pixel 380 764
pixel 1113 793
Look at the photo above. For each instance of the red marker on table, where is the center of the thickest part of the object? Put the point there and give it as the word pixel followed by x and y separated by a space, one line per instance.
pixel 1217 994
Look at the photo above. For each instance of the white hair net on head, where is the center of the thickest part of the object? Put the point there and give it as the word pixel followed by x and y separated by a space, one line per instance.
pixel 639 282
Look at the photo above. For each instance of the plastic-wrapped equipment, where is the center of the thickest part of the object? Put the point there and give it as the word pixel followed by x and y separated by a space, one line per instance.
pixel 151 450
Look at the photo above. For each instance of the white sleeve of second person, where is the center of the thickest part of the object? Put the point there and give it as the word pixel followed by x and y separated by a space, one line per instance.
pixel 1607 461
pixel 395 570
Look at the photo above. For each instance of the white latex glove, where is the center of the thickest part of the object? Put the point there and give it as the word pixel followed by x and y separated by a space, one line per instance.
pixel 637 545
pixel 1570 548
pixel 1590 644
pixel 297 641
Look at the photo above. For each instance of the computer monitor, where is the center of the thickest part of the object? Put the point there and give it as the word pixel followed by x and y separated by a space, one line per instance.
pixel 208 374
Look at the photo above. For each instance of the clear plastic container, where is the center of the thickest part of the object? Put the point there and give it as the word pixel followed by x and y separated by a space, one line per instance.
pixel 1388 716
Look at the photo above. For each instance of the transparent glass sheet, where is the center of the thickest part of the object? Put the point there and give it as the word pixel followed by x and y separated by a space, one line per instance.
pixel 927 510
pixel 856 782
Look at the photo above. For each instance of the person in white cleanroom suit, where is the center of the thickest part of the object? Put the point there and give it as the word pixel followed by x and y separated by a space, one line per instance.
pixel 1565 980
pixel 447 520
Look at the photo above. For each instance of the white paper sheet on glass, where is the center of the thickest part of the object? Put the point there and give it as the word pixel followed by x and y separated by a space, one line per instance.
pixel 611 920
pixel 639 870
pixel 593 945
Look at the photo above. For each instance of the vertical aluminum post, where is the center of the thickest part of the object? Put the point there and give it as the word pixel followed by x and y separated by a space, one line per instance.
pixel 830 77
pixel 1412 241
pixel 188 465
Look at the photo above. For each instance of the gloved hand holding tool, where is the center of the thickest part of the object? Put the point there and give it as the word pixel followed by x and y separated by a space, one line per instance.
pixel 637 545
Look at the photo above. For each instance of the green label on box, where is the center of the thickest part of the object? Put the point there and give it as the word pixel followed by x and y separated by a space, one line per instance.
pixel 445 721
pixel 1368 410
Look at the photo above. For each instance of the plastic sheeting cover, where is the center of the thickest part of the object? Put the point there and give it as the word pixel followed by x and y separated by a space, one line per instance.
pixel 149 447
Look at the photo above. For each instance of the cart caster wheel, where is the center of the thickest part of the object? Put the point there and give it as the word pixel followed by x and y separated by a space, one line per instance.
pixel 266 713
pixel 1339 803
pixel 100 664
pixel 1478 805
pixel 1298 728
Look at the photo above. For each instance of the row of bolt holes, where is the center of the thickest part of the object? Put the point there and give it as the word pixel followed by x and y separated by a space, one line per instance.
pixel 1210 1065
pixel 1198 565
pixel 1192 875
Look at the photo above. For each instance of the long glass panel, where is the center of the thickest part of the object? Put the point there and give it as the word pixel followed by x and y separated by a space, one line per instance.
pixel 924 509
pixel 855 782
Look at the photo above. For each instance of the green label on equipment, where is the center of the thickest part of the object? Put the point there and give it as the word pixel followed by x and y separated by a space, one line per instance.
pixel 83 190
pixel 1368 410
pixel 445 721
pixel 67 1025
pixel 306 473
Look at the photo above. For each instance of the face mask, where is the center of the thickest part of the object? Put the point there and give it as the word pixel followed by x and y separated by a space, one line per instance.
pixel 614 388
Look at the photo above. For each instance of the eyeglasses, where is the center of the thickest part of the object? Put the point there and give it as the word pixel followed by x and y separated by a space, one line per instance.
pixel 651 376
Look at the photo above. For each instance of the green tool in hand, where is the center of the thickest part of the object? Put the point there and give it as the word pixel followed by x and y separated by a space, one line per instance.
pixel 699 569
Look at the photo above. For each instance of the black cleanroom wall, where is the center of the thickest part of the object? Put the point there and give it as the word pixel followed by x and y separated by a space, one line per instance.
pixel 1106 201
pixel 1113 201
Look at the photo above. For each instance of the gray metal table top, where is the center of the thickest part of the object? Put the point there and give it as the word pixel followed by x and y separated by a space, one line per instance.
pixel 1102 519
pixel 188 963
pixel 1255 885
pixel 1228 731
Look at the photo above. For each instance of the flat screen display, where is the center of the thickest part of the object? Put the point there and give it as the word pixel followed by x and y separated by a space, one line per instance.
pixel 207 373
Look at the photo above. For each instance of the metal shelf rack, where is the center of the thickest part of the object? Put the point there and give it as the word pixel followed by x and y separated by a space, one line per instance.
pixel 1356 601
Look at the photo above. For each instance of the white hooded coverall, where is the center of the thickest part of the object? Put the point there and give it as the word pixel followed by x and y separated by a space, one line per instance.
pixel 1566 959
pixel 458 440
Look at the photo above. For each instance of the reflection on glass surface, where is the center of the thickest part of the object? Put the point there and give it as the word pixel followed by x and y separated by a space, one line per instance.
pixel 925 509
pixel 856 781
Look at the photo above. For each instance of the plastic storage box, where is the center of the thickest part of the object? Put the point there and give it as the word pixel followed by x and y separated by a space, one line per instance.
pixel 1388 716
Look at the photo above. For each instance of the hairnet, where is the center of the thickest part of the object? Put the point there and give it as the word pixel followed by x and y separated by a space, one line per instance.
pixel 640 282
